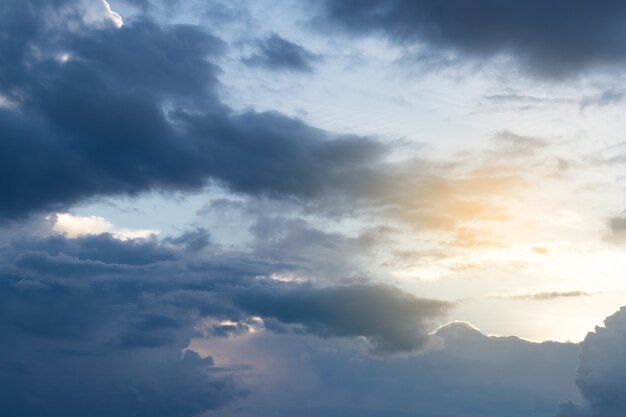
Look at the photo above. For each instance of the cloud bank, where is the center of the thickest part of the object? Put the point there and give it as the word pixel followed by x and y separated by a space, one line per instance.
pixel 547 39
pixel 123 110
pixel 96 325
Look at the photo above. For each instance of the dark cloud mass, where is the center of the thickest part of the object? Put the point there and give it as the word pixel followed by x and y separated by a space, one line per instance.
pixel 95 326
pixel 103 111
pixel 393 320
pixel 546 38
pixel 277 53
pixel 88 334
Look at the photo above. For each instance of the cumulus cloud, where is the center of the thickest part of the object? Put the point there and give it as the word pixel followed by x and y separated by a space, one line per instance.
pixel 96 136
pixel 118 314
pixel 547 39
pixel 87 335
pixel 468 374
pixel 602 371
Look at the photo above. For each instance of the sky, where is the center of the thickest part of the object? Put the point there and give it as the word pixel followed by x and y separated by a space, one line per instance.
pixel 312 208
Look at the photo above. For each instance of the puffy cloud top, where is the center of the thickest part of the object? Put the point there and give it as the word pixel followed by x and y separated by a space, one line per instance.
pixel 602 371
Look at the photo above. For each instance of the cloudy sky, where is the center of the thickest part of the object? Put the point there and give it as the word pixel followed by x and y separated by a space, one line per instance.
pixel 298 208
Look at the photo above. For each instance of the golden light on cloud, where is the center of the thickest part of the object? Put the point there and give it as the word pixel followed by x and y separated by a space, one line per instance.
pixel 508 233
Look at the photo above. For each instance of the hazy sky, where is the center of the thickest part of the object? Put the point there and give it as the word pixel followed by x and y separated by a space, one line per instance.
pixel 312 208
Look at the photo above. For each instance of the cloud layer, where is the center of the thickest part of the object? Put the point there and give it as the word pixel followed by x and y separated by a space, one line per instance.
pixel 306 285
pixel 104 321
pixel 548 39
pixel 122 110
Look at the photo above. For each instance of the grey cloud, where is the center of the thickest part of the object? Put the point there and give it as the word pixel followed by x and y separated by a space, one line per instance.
pixel 543 296
pixel 102 248
pixel 469 374
pixel 512 101
pixel 617 224
pixel 562 164
pixel 192 240
pixel 100 350
pixel 616 228
pixel 513 145
pixel 295 240
pixel 548 39
pixel 605 98
pixel 119 323
pixel 601 371
pixel 91 331
pixel 393 320
pixel 276 53
pixel 96 136
pixel 136 109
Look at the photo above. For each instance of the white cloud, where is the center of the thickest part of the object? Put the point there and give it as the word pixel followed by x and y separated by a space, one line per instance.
pixel 100 12
pixel 6 102
pixel 75 226
pixel 113 16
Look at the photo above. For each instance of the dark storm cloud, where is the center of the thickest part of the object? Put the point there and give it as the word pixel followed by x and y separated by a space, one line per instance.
pixel 101 111
pixel 272 155
pixel 97 111
pixel 546 38
pixel 87 337
pixel 95 326
pixel 277 53
pixel 394 321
